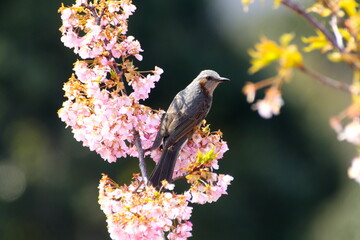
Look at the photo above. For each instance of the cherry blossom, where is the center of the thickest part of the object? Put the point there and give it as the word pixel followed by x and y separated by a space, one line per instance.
pixel 104 112
pixel 354 170
pixel 142 212
pixel 270 105
pixel 351 132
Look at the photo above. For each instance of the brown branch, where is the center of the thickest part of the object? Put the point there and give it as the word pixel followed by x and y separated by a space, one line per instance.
pixel 142 163
pixel 302 12
pixel 119 73
pixel 93 11
pixel 326 80
pixel 297 8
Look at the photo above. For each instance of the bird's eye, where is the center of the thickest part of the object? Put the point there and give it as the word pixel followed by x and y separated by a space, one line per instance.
pixel 208 78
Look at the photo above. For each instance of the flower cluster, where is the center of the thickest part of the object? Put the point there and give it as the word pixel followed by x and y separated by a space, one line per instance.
pixel 337 34
pixel 138 211
pixel 287 56
pixel 203 140
pixel 206 186
pixel 92 29
pixel 107 124
pixel 98 110
pixel 197 161
pixel 142 212
pixel 103 109
pixel 343 48
pixel 344 45
pixel 271 103
pixel 347 126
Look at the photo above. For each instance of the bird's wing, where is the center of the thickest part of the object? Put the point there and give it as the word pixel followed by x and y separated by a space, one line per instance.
pixel 183 122
pixel 166 120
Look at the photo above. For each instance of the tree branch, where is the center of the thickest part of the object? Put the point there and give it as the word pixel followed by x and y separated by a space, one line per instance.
pixel 302 12
pixel 326 80
pixel 93 12
pixel 142 163
pixel 335 40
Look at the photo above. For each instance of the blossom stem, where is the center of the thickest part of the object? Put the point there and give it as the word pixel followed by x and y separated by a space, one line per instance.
pixel 120 74
pixel 326 80
pixel 264 83
pixel 93 11
pixel 142 163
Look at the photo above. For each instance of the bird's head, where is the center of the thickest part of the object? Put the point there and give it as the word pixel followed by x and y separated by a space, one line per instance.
pixel 209 79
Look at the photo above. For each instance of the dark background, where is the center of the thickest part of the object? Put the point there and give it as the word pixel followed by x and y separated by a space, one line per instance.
pixel 290 172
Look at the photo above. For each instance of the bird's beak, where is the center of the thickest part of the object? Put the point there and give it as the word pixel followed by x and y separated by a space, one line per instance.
pixel 222 79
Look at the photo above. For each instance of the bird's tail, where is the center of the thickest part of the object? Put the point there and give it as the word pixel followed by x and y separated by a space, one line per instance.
pixel 164 169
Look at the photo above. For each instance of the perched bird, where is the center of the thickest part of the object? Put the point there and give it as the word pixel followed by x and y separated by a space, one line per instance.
pixel 187 110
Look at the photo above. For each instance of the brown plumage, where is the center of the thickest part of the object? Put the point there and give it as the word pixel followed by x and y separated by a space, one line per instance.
pixel 187 110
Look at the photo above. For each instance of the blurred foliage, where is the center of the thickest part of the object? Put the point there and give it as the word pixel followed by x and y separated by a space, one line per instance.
pixel 285 169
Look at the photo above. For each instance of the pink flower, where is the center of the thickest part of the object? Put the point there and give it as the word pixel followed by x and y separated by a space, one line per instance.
pixel 351 132
pixel 70 39
pixel 109 122
pixel 84 73
pixel 142 86
pixel 68 16
pixel 128 8
pixel 354 170
pixel 144 214
pixel 215 187
pixel 113 7
pixel 94 37
pixel 250 91
pixel 182 232
pixel 270 105
pixel 80 2
pixel 130 46
pixel 67 13
pixel 202 141
pixel 158 71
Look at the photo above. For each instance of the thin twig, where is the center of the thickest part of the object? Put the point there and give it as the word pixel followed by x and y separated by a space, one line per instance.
pixel 326 80
pixel 142 163
pixel 335 29
pixel 119 73
pixel 302 12
pixel 93 11
pixel 333 39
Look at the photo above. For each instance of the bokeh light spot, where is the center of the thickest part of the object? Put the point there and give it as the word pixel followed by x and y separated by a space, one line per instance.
pixel 12 182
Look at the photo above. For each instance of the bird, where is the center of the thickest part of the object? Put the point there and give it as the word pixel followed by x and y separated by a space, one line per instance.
pixel 186 111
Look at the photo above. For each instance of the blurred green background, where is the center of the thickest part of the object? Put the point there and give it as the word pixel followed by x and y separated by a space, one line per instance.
pixel 290 171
